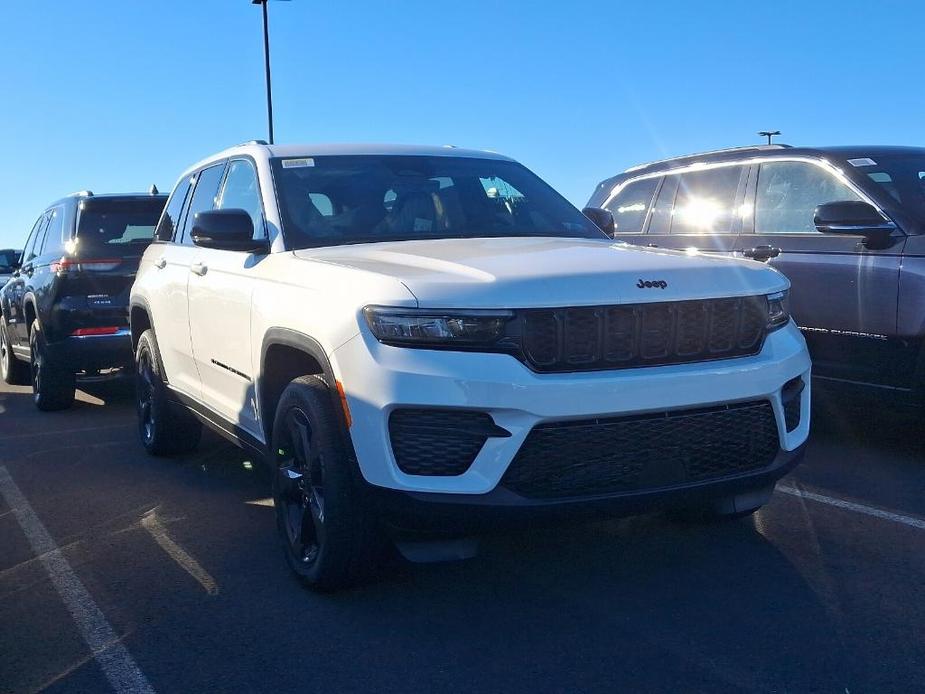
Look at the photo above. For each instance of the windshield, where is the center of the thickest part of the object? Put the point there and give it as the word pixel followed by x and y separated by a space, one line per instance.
pixel 334 200
pixel 902 176
pixel 8 259
pixel 124 226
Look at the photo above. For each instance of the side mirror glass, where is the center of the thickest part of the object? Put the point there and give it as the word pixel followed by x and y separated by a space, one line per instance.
pixel 227 230
pixel 603 219
pixel 854 218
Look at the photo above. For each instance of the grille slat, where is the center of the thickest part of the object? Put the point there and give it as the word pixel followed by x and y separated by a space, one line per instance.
pixel 602 456
pixel 608 337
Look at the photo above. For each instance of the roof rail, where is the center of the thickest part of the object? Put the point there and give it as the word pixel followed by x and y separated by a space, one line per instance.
pixel 744 148
pixel 80 194
pixel 252 142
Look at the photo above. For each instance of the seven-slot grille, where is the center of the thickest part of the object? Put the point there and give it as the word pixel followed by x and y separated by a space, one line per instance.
pixel 622 454
pixel 615 337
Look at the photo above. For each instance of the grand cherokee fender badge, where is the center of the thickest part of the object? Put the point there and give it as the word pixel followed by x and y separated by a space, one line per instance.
pixel 653 284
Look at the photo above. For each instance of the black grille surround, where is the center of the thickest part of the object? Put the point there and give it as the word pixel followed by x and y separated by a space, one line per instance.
pixel 602 456
pixel 438 442
pixel 638 335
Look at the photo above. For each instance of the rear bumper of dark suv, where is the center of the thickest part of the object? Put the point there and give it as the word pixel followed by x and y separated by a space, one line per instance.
pixel 93 352
pixel 441 513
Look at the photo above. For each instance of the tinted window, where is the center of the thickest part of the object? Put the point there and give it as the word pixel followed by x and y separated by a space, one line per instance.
pixel 170 220
pixel 207 182
pixel 54 233
pixel 899 175
pixel 788 193
pixel 631 205
pixel 35 236
pixel 705 202
pixel 118 227
pixel 240 191
pixel 388 198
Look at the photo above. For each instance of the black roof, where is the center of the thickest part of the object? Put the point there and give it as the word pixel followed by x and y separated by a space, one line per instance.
pixel 83 195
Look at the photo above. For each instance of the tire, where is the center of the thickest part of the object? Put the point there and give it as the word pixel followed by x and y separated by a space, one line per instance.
pixel 331 539
pixel 13 371
pixel 164 428
pixel 52 385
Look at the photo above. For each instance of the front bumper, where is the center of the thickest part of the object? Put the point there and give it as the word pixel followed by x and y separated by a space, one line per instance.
pixel 442 514
pixel 378 379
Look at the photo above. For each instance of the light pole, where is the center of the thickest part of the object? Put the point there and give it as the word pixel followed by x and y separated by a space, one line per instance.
pixel 764 133
pixel 266 60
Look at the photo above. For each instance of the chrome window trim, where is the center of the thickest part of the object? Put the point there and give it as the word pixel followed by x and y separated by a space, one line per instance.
pixel 822 163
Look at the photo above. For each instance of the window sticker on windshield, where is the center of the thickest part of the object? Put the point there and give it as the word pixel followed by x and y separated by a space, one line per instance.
pixel 863 161
pixel 297 163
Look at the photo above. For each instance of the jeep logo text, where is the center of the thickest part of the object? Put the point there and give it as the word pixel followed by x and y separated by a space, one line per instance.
pixel 653 284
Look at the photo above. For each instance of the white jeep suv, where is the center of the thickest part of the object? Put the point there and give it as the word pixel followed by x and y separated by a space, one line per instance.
pixel 432 340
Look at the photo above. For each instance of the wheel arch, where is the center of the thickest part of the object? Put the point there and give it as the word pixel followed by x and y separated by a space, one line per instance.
pixel 139 319
pixel 286 354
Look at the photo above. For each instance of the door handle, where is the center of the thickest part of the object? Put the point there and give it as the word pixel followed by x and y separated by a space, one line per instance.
pixel 761 253
pixel 160 263
pixel 651 245
pixel 198 269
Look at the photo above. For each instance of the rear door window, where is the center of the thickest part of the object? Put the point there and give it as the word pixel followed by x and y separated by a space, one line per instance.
pixel 170 220
pixel 630 207
pixel 788 193
pixel 204 197
pixel 706 201
pixel 35 237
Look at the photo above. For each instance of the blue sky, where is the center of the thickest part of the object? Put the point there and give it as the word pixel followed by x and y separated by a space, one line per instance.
pixel 114 95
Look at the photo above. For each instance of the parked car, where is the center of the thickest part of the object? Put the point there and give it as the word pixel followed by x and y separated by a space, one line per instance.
pixel 65 311
pixel 9 258
pixel 846 225
pixel 427 341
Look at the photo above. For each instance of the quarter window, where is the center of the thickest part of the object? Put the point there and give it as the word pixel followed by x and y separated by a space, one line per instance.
pixel 706 201
pixel 788 193
pixel 631 205
pixel 241 191
pixel 54 235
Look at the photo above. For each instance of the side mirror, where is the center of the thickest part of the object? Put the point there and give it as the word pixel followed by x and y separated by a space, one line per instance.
pixel 603 219
pixel 854 218
pixel 227 230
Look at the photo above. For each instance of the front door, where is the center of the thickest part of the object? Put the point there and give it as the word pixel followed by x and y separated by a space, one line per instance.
pixel 843 295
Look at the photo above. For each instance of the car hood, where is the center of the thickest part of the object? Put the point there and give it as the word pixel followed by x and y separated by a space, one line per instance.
pixel 531 272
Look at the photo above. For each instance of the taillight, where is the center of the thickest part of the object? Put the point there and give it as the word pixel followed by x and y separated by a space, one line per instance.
pixel 84 332
pixel 66 265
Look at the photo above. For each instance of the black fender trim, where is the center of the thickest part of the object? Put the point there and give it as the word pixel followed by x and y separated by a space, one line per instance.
pixel 313 348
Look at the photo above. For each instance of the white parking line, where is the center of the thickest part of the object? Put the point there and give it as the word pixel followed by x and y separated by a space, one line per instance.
pixel 113 657
pixel 912 522
pixel 150 523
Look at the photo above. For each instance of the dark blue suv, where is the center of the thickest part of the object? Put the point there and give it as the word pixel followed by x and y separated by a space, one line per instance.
pixel 845 224
pixel 65 309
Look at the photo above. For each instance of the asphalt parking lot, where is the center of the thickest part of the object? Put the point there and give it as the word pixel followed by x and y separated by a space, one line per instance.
pixel 170 570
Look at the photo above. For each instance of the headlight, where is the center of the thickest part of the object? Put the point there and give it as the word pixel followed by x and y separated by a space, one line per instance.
pixel 429 328
pixel 778 310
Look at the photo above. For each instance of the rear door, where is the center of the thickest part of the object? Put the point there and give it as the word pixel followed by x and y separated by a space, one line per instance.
pixel 699 209
pixel 168 290
pixel 844 295
pixel 21 284
pixel 220 289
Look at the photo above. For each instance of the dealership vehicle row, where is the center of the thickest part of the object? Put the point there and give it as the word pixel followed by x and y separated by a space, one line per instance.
pixel 423 343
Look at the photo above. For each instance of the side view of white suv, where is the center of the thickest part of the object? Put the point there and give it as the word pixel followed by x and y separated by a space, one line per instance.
pixel 425 341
